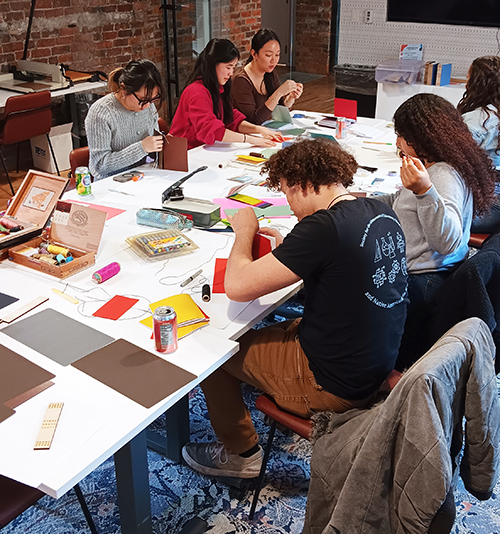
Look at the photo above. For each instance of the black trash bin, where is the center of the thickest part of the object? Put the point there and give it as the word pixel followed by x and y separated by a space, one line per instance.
pixel 357 82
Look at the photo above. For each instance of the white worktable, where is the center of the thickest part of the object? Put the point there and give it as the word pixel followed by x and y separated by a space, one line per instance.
pixel 77 88
pixel 97 421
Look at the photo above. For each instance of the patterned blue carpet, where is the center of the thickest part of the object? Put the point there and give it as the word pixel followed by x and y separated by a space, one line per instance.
pixel 178 494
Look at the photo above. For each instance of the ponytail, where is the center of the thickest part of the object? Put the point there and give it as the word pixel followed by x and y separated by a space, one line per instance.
pixel 114 80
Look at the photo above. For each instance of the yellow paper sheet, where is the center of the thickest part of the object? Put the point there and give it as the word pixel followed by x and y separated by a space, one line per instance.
pixel 185 308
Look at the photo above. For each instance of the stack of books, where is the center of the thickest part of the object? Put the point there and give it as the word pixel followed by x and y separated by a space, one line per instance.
pixel 437 73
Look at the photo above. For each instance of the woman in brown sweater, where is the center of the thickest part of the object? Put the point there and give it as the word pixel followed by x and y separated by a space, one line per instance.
pixel 256 90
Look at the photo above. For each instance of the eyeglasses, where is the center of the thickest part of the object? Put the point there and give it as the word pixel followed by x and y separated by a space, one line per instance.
pixel 142 103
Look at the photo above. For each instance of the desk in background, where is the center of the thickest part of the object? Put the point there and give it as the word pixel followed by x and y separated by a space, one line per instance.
pixel 391 95
pixel 69 94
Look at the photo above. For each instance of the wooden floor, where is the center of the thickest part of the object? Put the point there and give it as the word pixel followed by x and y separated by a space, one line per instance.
pixel 318 96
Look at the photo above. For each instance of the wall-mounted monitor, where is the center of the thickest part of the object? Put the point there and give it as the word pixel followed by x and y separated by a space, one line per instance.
pixel 457 12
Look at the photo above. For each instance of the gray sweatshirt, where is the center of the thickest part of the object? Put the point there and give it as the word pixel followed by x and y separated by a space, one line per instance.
pixel 437 223
pixel 114 136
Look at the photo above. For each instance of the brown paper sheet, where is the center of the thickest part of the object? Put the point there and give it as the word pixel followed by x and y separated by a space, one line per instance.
pixel 134 372
pixel 174 154
pixel 20 380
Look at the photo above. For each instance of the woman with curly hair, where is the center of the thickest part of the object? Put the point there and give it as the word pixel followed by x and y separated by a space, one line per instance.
pixel 480 108
pixel 205 113
pixel 446 179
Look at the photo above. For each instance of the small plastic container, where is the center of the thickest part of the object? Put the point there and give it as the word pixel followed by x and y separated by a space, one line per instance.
pixel 407 71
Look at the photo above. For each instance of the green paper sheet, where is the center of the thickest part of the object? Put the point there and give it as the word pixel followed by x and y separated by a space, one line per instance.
pixel 272 211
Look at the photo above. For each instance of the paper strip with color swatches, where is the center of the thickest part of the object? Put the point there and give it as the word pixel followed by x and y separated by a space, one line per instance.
pixel 251 201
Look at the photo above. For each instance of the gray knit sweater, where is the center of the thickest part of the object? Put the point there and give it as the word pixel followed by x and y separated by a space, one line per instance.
pixel 114 136
pixel 437 223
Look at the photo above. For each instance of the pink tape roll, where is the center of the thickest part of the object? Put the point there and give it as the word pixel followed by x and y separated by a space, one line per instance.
pixel 106 273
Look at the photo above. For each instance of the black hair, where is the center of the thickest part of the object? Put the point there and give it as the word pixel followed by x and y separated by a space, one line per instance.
pixel 263 36
pixel 217 51
pixel 483 89
pixel 136 75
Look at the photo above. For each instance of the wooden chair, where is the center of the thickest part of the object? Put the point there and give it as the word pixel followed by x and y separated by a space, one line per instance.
pixel 298 425
pixel 15 498
pixel 343 107
pixel 442 522
pixel 477 240
pixel 26 116
pixel 79 157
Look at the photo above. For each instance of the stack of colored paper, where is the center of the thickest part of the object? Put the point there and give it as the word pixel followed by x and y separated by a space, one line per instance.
pixel 190 316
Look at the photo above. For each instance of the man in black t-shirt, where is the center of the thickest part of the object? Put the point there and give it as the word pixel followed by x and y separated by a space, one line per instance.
pixel 350 254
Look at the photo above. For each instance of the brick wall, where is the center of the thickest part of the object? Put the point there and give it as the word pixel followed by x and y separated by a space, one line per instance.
pixel 244 23
pixel 312 31
pixel 90 35
pixel 103 34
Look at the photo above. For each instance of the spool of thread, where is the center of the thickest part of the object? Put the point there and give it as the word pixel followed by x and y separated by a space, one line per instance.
pixel 392 173
pixel 54 249
pixel 106 273
pixel 8 223
pixel 205 293
pixel 60 259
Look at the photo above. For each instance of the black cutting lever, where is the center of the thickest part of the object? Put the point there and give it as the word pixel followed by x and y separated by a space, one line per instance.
pixel 174 192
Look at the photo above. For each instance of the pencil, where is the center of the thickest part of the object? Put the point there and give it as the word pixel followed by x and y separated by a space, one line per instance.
pixel 376 143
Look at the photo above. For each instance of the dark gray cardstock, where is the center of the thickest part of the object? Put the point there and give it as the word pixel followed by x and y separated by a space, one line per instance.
pixel 56 336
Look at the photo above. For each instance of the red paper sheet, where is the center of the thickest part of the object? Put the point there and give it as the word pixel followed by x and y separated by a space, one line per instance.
pixel 115 308
pixel 219 274
pixel 262 245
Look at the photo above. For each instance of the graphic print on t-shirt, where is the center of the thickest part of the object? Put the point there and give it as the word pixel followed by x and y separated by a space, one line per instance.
pixel 389 260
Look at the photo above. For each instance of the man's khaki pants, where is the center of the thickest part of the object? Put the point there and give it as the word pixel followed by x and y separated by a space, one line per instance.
pixel 270 359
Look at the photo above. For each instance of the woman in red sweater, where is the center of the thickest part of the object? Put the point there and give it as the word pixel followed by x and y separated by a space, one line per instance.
pixel 205 113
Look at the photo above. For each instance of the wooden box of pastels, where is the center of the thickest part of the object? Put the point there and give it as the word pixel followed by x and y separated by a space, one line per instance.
pixel 31 208
pixel 71 244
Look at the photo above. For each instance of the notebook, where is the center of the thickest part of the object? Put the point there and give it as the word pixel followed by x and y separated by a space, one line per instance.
pixel 175 154
pixel 280 117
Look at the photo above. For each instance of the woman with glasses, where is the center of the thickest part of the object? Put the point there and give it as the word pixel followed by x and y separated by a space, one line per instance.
pixel 120 126
pixel 205 113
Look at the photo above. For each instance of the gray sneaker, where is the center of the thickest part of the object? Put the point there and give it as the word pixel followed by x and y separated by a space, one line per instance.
pixel 214 459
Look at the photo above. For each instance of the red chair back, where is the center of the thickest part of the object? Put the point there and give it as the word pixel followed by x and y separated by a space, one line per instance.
pixel 345 108
pixel 26 116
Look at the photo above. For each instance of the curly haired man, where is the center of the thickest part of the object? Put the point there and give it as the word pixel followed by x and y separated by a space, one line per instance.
pixel 350 254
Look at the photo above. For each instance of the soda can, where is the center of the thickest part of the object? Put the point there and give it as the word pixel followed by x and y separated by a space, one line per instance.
pixel 341 130
pixel 165 329
pixel 83 181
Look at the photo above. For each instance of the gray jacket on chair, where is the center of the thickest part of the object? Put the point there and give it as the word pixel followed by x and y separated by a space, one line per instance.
pixel 388 469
